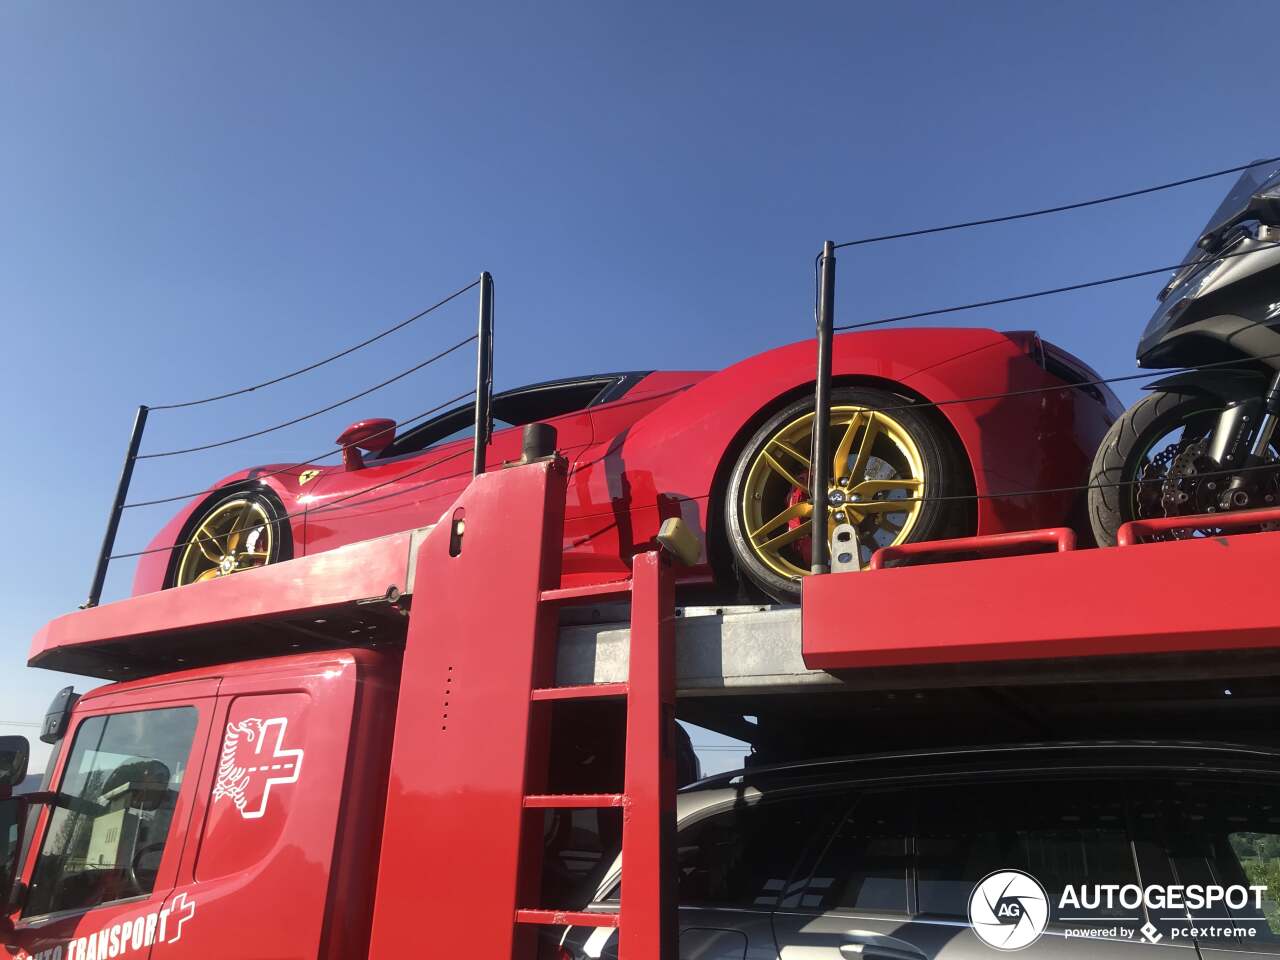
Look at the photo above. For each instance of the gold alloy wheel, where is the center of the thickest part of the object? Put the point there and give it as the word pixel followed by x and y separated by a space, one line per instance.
pixel 876 466
pixel 237 536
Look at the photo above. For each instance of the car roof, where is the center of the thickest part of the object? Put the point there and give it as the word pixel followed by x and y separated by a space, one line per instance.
pixel 752 784
pixel 1181 753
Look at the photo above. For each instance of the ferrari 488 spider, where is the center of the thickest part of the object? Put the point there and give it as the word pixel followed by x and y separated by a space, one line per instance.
pixel 918 454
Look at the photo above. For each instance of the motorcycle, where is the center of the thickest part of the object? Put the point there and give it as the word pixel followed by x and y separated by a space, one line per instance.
pixel 1204 440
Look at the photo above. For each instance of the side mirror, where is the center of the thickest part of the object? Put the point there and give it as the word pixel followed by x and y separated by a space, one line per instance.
pixel 373 436
pixel 13 831
pixel 58 717
pixel 14 753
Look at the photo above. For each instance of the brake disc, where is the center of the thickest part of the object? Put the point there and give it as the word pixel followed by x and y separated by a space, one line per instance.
pixel 1183 480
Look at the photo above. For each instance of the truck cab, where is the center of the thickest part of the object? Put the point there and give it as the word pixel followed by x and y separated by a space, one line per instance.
pixel 177 800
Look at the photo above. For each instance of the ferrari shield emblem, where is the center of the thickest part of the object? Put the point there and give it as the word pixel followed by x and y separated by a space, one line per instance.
pixel 306 476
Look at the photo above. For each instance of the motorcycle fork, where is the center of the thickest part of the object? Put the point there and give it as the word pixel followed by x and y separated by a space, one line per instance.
pixel 1241 439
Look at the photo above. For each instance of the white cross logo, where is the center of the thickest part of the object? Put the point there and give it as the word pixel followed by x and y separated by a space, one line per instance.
pixel 179 905
pixel 245 761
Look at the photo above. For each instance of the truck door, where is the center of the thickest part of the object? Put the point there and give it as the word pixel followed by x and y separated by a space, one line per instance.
pixel 107 850
pixel 288 810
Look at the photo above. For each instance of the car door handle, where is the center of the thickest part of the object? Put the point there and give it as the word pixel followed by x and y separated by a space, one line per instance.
pixel 864 943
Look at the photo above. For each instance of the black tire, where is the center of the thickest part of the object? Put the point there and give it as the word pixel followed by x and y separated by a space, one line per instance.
pixel 946 474
pixel 1123 450
pixel 276 517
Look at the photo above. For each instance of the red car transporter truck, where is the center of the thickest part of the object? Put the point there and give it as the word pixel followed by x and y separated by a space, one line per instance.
pixel 363 753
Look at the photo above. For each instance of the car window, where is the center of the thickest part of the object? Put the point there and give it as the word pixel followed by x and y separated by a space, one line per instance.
pixel 1228 834
pixel 865 864
pixel 1059 833
pixel 744 856
pixel 512 408
pixel 109 826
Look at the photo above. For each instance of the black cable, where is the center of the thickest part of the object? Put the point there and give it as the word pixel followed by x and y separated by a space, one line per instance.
pixel 333 406
pixel 1047 293
pixel 320 363
pixel 1078 385
pixel 906 501
pixel 1059 209
pixel 328 506
pixel 1079 488
pixel 1083 384
pixel 308 462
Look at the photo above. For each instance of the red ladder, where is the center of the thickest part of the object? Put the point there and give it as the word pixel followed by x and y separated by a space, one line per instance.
pixel 646 915
pixel 461 848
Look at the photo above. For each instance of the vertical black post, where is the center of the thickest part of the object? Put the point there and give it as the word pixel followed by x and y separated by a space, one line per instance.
pixel 113 522
pixel 484 374
pixel 820 474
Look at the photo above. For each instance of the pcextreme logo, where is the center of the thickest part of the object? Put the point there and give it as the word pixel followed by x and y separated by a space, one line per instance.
pixel 253 761
pixel 135 936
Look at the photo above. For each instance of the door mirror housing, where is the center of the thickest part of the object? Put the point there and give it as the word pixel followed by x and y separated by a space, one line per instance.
pixel 58 717
pixel 373 436
pixel 14 754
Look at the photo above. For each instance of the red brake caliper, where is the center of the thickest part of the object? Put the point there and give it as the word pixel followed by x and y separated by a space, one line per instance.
pixel 803 546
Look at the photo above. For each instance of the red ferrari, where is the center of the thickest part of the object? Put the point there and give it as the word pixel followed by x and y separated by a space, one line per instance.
pixel 728 451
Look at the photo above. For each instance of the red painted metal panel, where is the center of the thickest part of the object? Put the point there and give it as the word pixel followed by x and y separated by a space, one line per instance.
pixel 1132 532
pixel 993 545
pixel 452 832
pixel 648 832
pixel 340 577
pixel 1082 603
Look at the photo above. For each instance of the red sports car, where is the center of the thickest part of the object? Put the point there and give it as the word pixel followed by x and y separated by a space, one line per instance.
pixel 728 451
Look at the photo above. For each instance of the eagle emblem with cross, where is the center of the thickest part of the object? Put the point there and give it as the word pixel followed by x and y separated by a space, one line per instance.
pixel 253 760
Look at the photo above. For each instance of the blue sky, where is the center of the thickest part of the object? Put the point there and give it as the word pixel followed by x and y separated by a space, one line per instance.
pixel 198 197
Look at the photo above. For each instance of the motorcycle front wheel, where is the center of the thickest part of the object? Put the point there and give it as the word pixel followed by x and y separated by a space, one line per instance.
pixel 1152 463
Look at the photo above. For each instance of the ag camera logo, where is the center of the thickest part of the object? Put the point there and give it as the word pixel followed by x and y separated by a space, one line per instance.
pixel 1008 910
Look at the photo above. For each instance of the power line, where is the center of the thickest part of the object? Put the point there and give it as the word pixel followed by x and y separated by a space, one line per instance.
pixel 1078 385
pixel 1058 209
pixel 320 363
pixel 1047 293
pixel 1077 488
pixel 333 406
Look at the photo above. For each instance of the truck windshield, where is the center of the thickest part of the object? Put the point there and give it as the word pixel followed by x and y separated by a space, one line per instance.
pixel 109 825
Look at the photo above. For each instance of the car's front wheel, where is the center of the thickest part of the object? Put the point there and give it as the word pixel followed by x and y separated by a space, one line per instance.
pixel 239 531
pixel 893 469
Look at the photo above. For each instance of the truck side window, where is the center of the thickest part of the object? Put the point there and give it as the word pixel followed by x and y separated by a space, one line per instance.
pixel 109 825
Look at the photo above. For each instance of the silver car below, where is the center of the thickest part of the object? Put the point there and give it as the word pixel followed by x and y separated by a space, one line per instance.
pixel 881 857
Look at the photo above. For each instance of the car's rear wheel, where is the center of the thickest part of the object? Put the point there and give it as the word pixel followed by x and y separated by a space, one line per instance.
pixel 239 531
pixel 893 466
